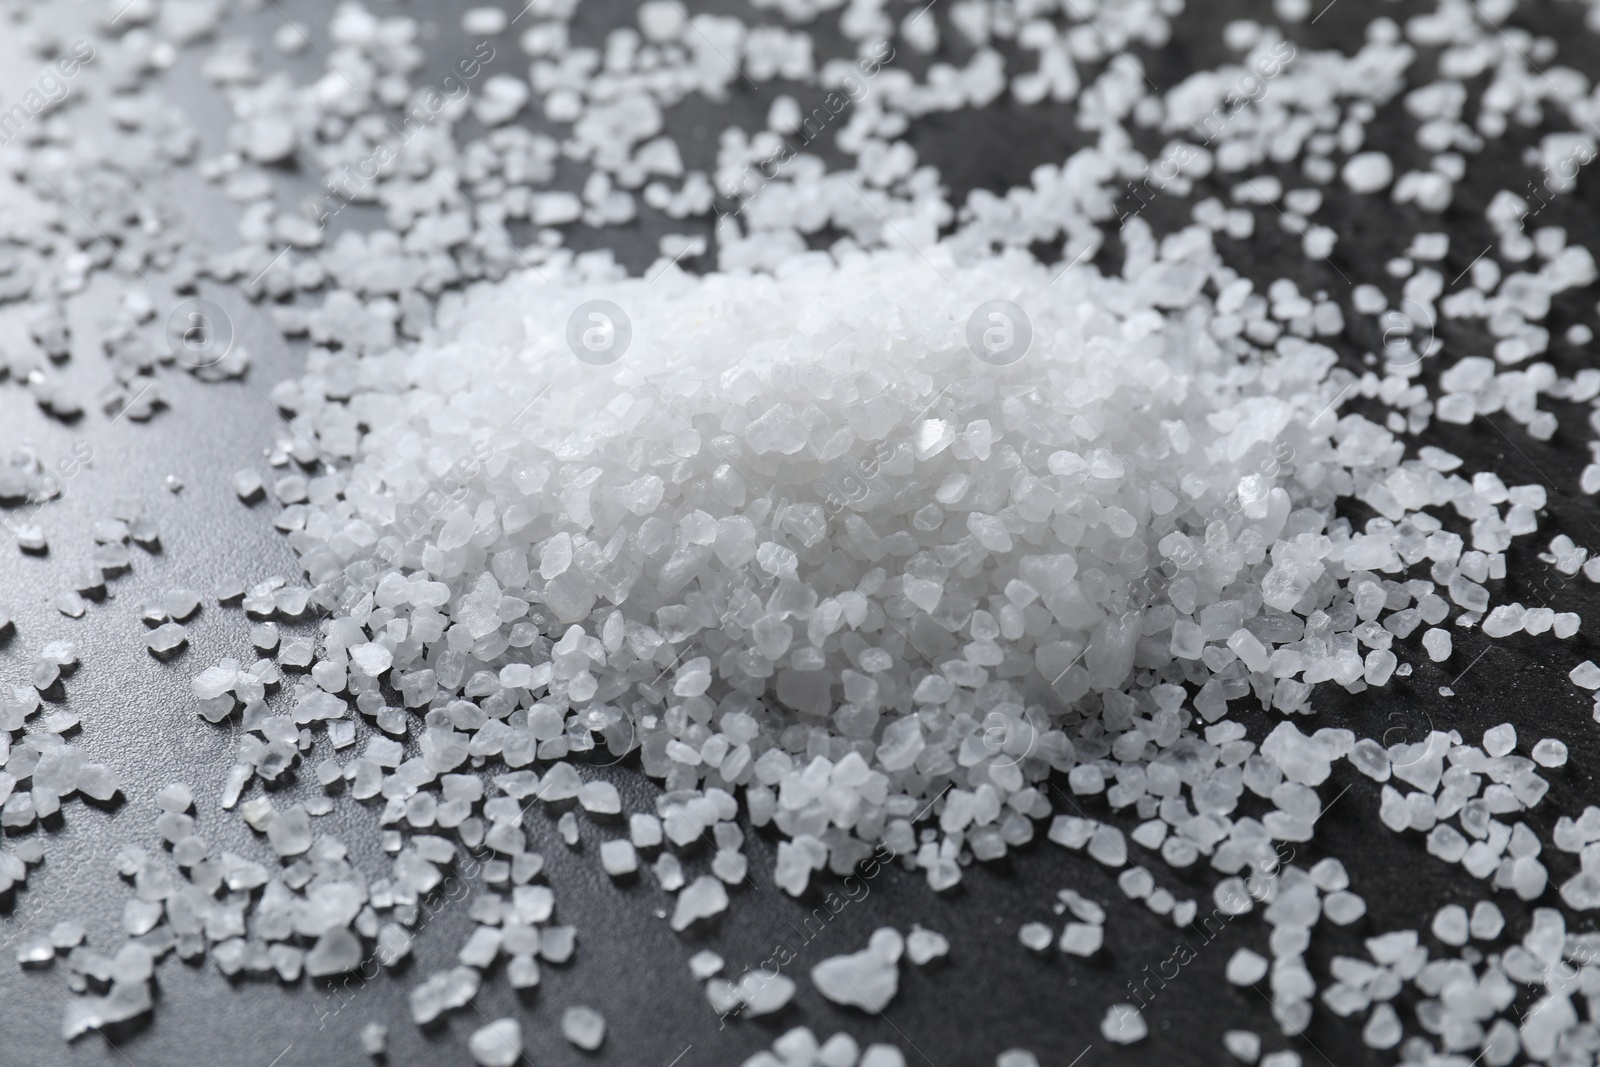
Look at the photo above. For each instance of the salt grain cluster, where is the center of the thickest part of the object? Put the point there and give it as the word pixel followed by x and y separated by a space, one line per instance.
pixel 799 536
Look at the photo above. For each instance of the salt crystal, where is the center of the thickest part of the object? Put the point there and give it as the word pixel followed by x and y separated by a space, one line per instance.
pixel 1246 967
pixel 247 485
pixel 1243 1045
pixel 924 945
pixel 1123 1025
pixel 763 994
pixel 336 952
pixel 618 858
pixel 166 638
pixel 870 978
pixel 498 1044
pixel 1016 1057
pixel 704 964
pixel 1382 1029
pixel 1487 921
pixel 1367 172
pixel 1586 675
pixel 1450 924
pixel 1035 936
pixel 601 798
pixel 483 21
pixel 701 899
pixel 584 1027
pixel 1500 740
pixel 1549 752
pixel 1081 939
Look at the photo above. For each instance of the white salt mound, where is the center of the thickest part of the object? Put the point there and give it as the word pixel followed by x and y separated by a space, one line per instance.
pixel 825 498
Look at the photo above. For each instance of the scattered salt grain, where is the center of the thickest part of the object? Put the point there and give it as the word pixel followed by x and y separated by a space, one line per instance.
pixel 584 1027
pixel 1450 925
pixel 618 858
pixel 1081 939
pixel 1549 752
pixel 375 1039
pixel 867 979
pixel 704 897
pixel 924 945
pixel 1586 675
pixel 1123 1025
pixel 1246 968
pixel 499 1044
pixel 1035 936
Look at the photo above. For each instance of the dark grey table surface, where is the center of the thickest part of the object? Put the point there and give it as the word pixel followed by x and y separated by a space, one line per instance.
pixel 991 993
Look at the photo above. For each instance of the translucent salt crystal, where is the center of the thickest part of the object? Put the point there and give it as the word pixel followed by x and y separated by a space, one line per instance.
pixel 1549 752
pixel 175 797
pixel 924 945
pixel 443 991
pixel 704 897
pixel 1437 643
pixel 523 972
pixel 483 21
pixel 1382 1029
pixel 567 827
pixel 1504 620
pixel 481 947
pixel 98 781
pixel 1301 759
pixel 499 1044
pixel 704 964
pixel 618 858
pixel 1450 924
pixel 1243 1045
pixel 1487 921
pixel 1565 624
pixel 336 952
pixel 35 951
pixel 65 935
pixel 1016 1057
pixel 763 994
pixel 840 1050
pixel 166 638
pixel 374 1039
pixel 1343 907
pixel 181 603
pixel 1077 939
pixel 371 659
pixel 1582 891
pixel 1586 675
pixel 600 798
pixel 644 830
pixel 1246 967
pixel 1500 740
pixel 1036 936
pixel 668 872
pixel 870 978
pixel 1367 172
pixel 584 1027
pixel 1123 1025
pixel 31 537
pixel 880 1055
pixel 214 681
pixel 247 484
